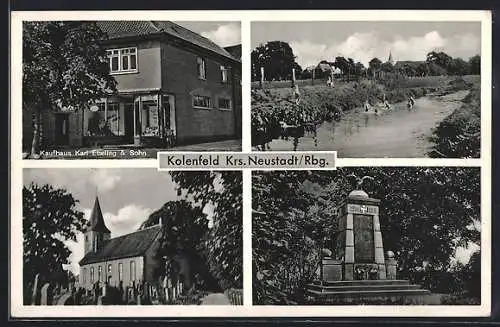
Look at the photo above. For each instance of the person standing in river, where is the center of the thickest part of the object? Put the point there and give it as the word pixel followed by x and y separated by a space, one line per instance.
pixel 385 102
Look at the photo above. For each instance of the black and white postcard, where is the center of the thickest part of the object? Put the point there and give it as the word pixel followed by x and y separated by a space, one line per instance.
pixel 367 88
pixel 95 237
pixel 312 163
pixel 127 89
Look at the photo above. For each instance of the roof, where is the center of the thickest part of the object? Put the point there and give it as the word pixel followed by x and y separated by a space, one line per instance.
pixel 234 50
pixel 96 219
pixel 130 245
pixel 123 29
pixel 325 67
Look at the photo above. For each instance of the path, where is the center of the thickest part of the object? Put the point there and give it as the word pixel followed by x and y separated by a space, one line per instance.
pixel 215 299
pixel 396 133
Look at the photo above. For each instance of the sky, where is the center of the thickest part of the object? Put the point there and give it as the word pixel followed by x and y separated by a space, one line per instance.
pixel 127 196
pixel 362 41
pixel 221 33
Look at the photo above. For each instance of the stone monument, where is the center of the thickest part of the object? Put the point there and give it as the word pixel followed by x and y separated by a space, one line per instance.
pixel 357 267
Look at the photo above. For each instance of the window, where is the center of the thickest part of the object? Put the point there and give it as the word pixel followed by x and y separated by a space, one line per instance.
pixel 122 60
pixel 91 274
pixel 200 64
pixel 224 103
pixel 224 74
pixel 120 272
pixel 99 273
pixel 201 101
pixel 84 275
pixel 106 120
pixel 132 270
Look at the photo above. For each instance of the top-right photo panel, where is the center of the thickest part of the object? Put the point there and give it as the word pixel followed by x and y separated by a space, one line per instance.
pixel 379 89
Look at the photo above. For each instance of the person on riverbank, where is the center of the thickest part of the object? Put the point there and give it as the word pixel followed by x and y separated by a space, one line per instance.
pixel 367 105
pixel 296 94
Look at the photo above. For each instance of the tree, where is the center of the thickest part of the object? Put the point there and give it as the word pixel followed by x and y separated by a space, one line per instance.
pixel 359 69
pixel 64 67
pixel 278 60
pixel 440 59
pixel 426 213
pixel 184 227
pixel 422 69
pixel 342 64
pixel 185 231
pixel 222 191
pixel 50 218
pixel 458 66
pixel 374 66
pixel 475 65
pixel 387 67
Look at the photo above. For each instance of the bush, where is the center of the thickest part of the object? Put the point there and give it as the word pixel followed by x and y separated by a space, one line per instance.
pixel 459 134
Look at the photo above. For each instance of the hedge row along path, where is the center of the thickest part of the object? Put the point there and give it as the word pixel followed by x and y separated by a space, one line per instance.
pixel 397 132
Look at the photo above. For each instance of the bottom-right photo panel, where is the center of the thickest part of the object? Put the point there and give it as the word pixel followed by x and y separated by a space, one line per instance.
pixel 367 235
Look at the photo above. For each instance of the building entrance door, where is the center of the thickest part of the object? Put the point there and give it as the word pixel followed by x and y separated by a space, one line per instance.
pixel 128 121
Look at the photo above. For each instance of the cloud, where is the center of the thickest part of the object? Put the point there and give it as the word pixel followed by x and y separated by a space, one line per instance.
pixel 105 179
pixel 225 35
pixel 127 220
pixel 365 46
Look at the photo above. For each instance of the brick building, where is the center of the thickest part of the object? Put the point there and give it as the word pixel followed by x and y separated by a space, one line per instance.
pixel 174 86
pixel 125 260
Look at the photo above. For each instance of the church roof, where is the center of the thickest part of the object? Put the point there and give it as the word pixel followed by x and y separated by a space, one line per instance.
pixel 96 219
pixel 130 245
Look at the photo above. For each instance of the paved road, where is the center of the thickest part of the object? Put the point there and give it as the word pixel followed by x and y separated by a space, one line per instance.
pixel 394 133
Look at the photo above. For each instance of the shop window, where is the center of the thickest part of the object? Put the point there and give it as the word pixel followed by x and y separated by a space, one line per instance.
pixel 105 121
pixel 149 118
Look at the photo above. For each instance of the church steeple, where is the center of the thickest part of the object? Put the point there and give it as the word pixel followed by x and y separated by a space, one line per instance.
pixel 97 220
pixel 390 60
pixel 97 233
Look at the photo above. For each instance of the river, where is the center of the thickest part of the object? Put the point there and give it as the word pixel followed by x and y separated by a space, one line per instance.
pixel 396 133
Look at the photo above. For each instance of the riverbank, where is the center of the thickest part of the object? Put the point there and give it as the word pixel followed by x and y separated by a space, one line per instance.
pixel 318 104
pixel 459 134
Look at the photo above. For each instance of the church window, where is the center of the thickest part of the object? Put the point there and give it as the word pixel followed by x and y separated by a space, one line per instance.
pixel 120 271
pixel 132 270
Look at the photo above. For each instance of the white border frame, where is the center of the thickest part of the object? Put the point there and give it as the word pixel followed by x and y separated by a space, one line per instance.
pixel 18 310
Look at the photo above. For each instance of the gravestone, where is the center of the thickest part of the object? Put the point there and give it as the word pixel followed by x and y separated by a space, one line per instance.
pixel 46 294
pixel 36 292
pixel 65 299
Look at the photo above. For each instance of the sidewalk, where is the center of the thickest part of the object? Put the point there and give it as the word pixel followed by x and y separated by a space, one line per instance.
pixel 131 152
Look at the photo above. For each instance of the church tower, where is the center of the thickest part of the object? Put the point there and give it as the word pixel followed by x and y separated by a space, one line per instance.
pixel 390 60
pixel 97 233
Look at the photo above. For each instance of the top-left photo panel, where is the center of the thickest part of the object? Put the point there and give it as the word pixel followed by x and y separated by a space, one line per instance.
pixel 128 89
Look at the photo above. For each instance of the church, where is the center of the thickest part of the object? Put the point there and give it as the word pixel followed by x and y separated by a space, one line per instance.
pixel 127 260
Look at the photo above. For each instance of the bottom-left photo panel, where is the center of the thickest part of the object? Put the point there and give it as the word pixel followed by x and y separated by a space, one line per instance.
pixel 132 236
